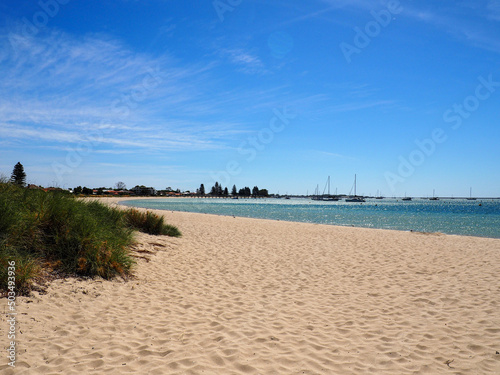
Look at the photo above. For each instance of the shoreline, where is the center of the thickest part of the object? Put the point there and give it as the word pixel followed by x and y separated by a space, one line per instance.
pixel 254 296
pixel 118 200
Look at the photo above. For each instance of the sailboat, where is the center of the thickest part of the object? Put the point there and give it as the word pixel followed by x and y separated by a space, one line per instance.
pixel 470 196
pixel 434 198
pixel 324 197
pixel 355 199
pixel 406 198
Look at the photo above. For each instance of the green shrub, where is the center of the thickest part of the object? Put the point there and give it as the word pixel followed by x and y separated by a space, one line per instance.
pixel 150 223
pixel 85 238
pixel 71 235
pixel 26 270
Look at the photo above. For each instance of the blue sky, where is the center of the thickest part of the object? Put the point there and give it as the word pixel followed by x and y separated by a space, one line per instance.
pixel 278 94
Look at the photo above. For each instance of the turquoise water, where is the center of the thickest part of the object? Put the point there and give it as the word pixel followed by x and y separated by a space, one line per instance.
pixel 453 216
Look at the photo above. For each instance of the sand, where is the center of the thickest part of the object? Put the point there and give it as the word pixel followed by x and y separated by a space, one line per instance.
pixel 248 296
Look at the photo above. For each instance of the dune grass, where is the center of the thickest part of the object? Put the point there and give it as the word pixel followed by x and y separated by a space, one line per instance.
pixel 54 230
pixel 150 223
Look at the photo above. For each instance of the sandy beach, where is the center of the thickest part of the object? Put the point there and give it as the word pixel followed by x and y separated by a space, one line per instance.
pixel 249 296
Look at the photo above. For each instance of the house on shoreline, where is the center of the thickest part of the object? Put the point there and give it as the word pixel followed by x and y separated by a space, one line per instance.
pixel 143 190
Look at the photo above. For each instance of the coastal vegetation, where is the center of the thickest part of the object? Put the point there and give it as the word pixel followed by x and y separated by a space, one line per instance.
pixel 50 232
pixel 218 191
pixel 18 176
pixel 150 223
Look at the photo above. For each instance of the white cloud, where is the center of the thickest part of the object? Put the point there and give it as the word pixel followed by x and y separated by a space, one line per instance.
pixel 57 88
pixel 246 61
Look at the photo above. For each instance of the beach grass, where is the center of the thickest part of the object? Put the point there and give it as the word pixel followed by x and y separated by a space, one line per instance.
pixel 150 223
pixel 73 236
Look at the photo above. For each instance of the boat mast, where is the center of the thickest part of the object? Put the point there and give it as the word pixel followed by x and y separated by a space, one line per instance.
pixel 355 185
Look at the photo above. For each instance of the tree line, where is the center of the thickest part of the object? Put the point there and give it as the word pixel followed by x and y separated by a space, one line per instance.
pixel 18 177
pixel 218 191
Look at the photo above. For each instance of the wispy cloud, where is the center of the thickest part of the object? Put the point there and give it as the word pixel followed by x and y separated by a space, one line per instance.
pixel 246 61
pixel 467 22
pixel 493 8
pixel 56 88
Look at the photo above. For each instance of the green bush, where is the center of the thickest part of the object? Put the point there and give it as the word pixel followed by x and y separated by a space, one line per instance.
pixel 37 227
pixel 52 229
pixel 150 223
pixel 27 269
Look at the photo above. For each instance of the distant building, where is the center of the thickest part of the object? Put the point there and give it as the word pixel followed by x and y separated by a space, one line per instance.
pixel 143 190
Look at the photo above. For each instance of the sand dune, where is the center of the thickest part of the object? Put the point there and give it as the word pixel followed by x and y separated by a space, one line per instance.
pixel 247 296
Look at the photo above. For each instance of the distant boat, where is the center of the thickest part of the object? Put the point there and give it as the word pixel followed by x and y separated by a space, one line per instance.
pixel 406 198
pixel 325 197
pixel 355 199
pixel 434 198
pixel 470 196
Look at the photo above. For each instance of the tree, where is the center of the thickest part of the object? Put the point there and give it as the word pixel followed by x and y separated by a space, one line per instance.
pixel 78 190
pixel 120 186
pixel 214 189
pixel 263 192
pixel 255 191
pixel 226 192
pixel 202 189
pixel 87 191
pixel 245 192
pixel 234 192
pixel 18 176
pixel 217 190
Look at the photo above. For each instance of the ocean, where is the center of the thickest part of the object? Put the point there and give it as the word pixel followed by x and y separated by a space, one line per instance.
pixel 451 216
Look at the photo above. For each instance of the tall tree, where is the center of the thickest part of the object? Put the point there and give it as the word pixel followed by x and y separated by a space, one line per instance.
pixel 202 189
pixel 226 192
pixel 18 176
pixel 215 189
pixel 255 191
pixel 120 186
pixel 234 192
pixel 245 192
